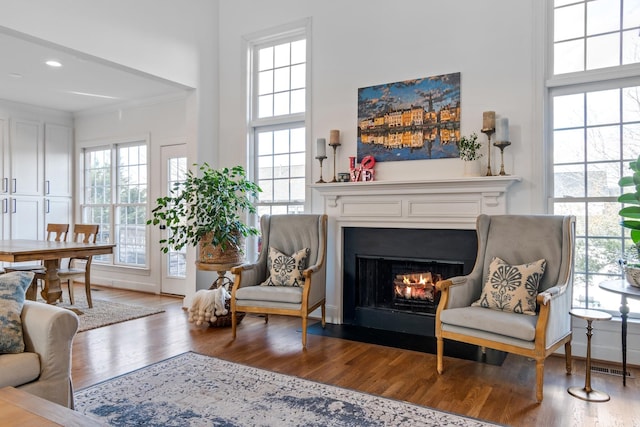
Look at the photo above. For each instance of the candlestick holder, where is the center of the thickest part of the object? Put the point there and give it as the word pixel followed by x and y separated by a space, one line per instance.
pixel 502 145
pixel 488 132
pixel 335 147
pixel 321 158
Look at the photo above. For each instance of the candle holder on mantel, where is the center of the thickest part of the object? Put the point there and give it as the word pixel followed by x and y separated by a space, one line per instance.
pixel 502 145
pixel 335 146
pixel 488 132
pixel 321 158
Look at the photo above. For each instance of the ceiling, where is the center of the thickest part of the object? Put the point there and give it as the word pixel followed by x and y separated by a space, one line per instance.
pixel 82 82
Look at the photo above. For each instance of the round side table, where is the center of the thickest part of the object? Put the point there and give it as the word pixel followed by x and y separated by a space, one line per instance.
pixel 586 392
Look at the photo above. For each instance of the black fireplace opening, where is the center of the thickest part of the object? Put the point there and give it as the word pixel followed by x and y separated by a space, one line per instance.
pixel 390 275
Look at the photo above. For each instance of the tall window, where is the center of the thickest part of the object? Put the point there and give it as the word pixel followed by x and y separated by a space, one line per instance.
pixel 278 100
pixel 115 197
pixel 595 132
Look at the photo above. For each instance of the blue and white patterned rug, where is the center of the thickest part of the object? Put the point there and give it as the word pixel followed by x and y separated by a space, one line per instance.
pixel 196 390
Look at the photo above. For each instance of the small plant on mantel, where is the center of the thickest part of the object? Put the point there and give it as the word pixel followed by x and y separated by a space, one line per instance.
pixel 205 209
pixel 469 148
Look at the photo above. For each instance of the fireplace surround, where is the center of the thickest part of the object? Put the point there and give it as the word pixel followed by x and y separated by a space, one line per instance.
pixel 436 205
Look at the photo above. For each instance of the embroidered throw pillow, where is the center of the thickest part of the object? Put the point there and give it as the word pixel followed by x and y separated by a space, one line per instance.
pixel 286 270
pixel 512 287
pixel 13 287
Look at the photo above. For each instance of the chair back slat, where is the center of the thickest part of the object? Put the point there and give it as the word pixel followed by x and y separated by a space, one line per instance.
pixel 57 232
pixel 86 233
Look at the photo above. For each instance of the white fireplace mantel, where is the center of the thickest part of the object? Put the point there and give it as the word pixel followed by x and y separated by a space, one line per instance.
pixel 447 203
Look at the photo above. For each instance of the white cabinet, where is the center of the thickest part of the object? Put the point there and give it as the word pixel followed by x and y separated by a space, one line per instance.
pixel 25 218
pixel 26 158
pixel 58 210
pixel 58 160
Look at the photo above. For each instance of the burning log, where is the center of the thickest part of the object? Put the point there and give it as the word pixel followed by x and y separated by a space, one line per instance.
pixel 416 286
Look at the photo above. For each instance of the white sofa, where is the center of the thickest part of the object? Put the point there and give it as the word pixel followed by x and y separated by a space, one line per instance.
pixel 44 369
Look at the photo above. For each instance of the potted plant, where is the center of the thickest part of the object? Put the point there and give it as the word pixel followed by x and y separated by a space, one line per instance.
pixel 631 220
pixel 469 149
pixel 206 209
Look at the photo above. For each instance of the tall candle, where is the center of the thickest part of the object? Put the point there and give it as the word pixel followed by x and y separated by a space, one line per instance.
pixel 489 120
pixel 321 150
pixel 502 129
pixel 334 137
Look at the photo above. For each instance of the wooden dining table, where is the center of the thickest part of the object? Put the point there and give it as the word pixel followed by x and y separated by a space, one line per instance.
pixel 50 252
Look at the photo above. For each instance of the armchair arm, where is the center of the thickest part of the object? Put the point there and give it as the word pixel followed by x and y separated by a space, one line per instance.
pixel 248 274
pixel 554 321
pixel 457 291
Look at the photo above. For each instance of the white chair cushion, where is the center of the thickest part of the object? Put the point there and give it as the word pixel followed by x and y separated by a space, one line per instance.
pixel 498 322
pixel 18 369
pixel 286 294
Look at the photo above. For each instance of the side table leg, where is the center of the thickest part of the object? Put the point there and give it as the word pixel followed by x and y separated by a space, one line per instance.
pixel 624 314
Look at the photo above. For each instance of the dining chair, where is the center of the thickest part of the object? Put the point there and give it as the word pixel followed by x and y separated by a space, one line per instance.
pixel 85 233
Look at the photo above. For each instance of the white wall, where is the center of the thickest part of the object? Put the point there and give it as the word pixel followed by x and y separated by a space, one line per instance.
pixel 372 42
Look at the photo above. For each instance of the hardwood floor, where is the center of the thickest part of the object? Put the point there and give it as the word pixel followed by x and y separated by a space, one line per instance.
pixel 502 394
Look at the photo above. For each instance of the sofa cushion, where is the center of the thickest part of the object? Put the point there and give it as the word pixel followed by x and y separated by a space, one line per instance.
pixel 503 323
pixel 286 294
pixel 18 369
pixel 285 270
pixel 512 288
pixel 13 287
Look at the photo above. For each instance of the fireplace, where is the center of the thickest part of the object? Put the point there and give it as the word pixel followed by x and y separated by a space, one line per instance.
pixel 389 275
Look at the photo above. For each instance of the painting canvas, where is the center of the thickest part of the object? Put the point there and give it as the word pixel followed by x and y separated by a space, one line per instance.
pixel 410 120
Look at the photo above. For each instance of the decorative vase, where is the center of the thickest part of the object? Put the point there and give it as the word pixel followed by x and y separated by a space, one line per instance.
pixel 631 267
pixel 472 168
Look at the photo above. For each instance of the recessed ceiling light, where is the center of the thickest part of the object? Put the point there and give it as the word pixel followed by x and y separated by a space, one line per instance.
pixel 53 63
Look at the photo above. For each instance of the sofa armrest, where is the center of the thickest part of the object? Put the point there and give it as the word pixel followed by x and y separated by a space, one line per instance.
pixel 49 331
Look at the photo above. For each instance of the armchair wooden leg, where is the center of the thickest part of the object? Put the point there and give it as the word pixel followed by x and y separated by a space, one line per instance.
pixel 234 323
pixel 324 316
pixel 70 287
pixel 439 355
pixel 539 379
pixel 304 332
pixel 567 356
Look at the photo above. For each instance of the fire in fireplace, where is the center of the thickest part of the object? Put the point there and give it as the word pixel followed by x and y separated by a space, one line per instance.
pixel 415 291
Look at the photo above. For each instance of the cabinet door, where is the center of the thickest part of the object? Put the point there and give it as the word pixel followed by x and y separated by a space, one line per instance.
pixel 25 158
pixel 25 217
pixel 57 210
pixel 4 171
pixel 58 157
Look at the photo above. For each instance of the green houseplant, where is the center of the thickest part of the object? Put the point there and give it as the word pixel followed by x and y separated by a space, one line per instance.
pixel 206 209
pixel 630 214
pixel 469 148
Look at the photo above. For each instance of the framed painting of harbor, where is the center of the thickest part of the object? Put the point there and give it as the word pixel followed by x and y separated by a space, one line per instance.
pixel 410 120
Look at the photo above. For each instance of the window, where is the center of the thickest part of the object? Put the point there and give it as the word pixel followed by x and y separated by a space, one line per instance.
pixel 278 100
pixel 115 197
pixel 595 133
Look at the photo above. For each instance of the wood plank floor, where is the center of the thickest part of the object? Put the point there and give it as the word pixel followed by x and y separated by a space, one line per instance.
pixel 502 394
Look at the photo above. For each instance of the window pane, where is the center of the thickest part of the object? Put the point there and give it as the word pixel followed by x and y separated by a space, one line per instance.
pixel 281 190
pixel 604 221
pixel 282 55
pixel 631 141
pixel 569 22
pixel 297 164
pixel 568 57
pixel 265 82
pixel 603 143
pixel 297 189
pixel 568 111
pixel 267 190
pixel 603 107
pixel 631 104
pixel 298 140
pixel 281 79
pixel 281 141
pixel 602 179
pixel 265 167
pixel 569 181
pixel 630 47
pixel 298 76
pixel 603 16
pixel 265 106
pixel 298 101
pixel 281 166
pixel 299 51
pixel 568 146
pixel 631 14
pixel 576 209
pixel 265 143
pixel 281 104
pixel 265 58
pixel 603 51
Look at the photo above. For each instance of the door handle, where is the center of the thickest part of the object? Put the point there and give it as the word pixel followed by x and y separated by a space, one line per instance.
pixel 48 209
pixel 47 184
pixel 5 185
pixel 5 205
pixel 15 206
pixel 15 184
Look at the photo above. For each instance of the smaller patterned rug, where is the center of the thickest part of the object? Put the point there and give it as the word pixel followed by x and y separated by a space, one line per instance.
pixel 103 313
pixel 196 390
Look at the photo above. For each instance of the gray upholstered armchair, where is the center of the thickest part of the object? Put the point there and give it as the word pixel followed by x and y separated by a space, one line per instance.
pixel 516 239
pixel 288 234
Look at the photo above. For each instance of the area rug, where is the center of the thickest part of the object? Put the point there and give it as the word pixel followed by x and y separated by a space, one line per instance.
pixel 103 313
pixel 196 390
